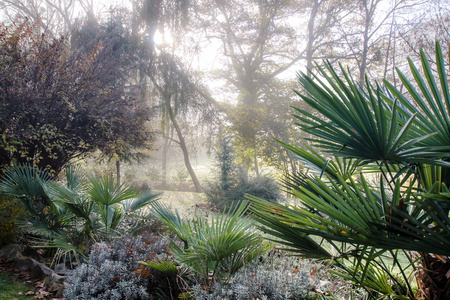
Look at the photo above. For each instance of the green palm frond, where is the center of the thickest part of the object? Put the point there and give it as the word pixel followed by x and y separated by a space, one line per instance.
pixel 182 228
pixel 215 248
pixel 105 191
pixel 24 180
pixel 164 266
pixel 355 213
pixel 433 106
pixel 140 202
pixel 76 178
pixel 70 200
pixel 358 124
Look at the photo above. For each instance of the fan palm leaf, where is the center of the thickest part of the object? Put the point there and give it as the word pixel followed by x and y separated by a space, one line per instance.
pixel 359 124
pixel 433 106
pixel 407 139
pixel 24 180
pixel 216 248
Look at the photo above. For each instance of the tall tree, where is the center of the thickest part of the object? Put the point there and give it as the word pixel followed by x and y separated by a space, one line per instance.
pixel 181 99
pixel 366 30
pixel 54 16
pixel 258 44
pixel 429 24
pixel 259 41
pixel 322 35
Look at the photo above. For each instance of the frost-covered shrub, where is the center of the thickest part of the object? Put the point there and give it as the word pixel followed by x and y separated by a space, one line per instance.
pixel 113 272
pixel 277 280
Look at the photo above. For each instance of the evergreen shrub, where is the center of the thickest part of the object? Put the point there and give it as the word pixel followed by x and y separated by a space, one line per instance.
pixel 230 187
pixel 10 211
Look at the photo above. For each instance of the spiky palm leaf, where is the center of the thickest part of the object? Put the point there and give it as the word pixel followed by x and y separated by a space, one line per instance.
pixel 108 195
pixel 72 215
pixel 359 124
pixel 408 141
pixel 20 180
pixel 216 248
pixel 433 108
pixel 181 227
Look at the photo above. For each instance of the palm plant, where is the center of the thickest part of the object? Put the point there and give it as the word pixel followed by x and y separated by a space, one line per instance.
pixel 74 215
pixel 214 248
pixel 366 222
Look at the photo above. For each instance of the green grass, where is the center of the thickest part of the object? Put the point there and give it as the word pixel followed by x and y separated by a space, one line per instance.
pixel 10 287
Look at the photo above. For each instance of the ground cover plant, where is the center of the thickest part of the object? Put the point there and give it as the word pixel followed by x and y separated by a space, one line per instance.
pixel 113 272
pixel 365 227
pixel 261 282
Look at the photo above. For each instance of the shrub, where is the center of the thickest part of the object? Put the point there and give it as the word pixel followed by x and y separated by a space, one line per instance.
pixel 76 214
pixel 230 187
pixel 262 187
pixel 9 212
pixel 113 271
pixel 213 249
pixel 272 279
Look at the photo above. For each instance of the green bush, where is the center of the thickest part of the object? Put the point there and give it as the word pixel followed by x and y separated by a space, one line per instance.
pixel 73 216
pixel 213 249
pixel 10 212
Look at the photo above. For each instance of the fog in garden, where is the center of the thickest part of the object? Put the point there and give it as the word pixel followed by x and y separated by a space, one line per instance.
pixel 209 71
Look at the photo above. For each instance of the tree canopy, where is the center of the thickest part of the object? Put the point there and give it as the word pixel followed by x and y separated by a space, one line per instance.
pixel 59 103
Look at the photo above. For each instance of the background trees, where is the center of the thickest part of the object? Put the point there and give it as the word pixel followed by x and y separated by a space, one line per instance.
pixel 58 104
pixel 238 57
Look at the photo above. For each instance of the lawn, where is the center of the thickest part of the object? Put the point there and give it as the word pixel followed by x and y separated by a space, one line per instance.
pixel 11 288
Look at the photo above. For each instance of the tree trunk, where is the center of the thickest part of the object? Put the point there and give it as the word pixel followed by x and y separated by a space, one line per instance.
pixel 256 166
pixel 164 157
pixel 432 279
pixel 183 146
pixel 243 173
pixel 311 37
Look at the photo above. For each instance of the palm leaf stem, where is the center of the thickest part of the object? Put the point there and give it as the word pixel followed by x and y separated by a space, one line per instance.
pixel 406 279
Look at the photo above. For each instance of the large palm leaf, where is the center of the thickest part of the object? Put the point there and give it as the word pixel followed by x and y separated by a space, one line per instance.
pixel 355 213
pixel 408 139
pixel 20 180
pixel 360 124
pixel 432 106
pixel 108 195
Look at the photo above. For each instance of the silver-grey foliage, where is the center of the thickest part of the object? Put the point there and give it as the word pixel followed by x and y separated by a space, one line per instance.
pixel 110 272
pixel 275 281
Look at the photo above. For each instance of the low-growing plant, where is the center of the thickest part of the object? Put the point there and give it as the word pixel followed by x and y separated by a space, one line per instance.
pixel 10 212
pixel 269 278
pixel 113 272
pixel 215 248
pixel 71 216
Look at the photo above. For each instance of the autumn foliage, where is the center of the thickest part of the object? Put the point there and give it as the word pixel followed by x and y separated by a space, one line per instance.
pixel 58 103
